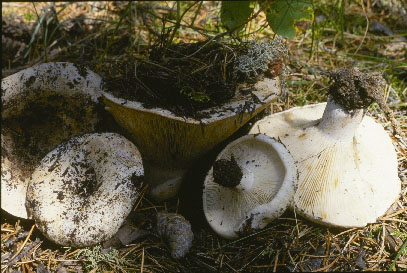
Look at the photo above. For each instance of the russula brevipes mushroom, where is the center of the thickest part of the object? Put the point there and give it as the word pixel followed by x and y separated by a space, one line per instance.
pixel 41 107
pixel 346 161
pixel 84 189
pixel 176 232
pixel 250 184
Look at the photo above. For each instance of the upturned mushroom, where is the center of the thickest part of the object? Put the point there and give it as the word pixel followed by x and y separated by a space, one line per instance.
pixel 346 161
pixel 42 106
pixel 84 189
pixel 250 184
pixel 171 143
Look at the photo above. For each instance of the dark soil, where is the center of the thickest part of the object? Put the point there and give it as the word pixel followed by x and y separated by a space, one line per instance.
pixel 227 172
pixel 353 89
pixel 183 78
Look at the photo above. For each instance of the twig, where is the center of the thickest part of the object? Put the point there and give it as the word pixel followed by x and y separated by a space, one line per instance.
pixel 276 261
pixel 328 248
pixel 327 266
pixel 395 220
pixel 25 241
pixel 343 232
pixel 24 253
pixel 142 261
pixel 382 247
pixel 367 27
pixel 143 191
pixel 13 240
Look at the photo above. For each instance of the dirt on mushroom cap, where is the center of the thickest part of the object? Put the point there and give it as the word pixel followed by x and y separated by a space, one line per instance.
pixel 353 89
pixel 188 77
pixel 227 172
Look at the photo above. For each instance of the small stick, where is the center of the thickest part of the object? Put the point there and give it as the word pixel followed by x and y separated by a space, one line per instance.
pixel 382 247
pixel 26 240
pixel 143 191
pixel 13 240
pixel 328 266
pixel 24 253
pixel 328 248
pixel 276 261
pixel 142 261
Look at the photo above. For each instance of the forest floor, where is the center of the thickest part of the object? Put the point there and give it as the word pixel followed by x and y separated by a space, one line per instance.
pixel 370 35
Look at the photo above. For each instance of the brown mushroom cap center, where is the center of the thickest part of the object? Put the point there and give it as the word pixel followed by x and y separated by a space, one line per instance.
pixel 227 173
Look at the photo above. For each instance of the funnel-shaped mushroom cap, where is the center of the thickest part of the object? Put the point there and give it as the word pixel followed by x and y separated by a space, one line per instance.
pixel 346 162
pixel 84 189
pixel 41 107
pixel 250 184
pixel 170 144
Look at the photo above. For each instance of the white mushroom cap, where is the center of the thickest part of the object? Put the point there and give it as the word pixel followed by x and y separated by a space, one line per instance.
pixel 85 188
pixel 265 189
pixel 347 164
pixel 41 107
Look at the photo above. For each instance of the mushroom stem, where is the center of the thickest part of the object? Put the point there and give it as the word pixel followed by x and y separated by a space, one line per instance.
pixel 351 92
pixel 339 123
pixel 227 173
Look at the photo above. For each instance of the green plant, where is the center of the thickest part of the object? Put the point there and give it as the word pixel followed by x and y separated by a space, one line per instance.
pixel 93 257
pixel 28 16
pixel 195 95
pixel 47 33
pixel 268 251
pixel 401 251
pixel 401 235
pixel 281 15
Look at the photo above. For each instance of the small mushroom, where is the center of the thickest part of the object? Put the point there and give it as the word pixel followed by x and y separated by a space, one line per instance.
pixel 83 190
pixel 250 184
pixel 176 232
pixel 42 106
pixel 346 161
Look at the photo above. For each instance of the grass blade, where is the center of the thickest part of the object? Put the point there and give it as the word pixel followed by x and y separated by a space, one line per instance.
pixel 391 268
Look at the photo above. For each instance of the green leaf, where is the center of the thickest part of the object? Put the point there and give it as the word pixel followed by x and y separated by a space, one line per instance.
pixel 235 13
pixel 282 15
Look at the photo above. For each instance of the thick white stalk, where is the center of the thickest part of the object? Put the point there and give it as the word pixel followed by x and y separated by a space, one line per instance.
pixel 338 123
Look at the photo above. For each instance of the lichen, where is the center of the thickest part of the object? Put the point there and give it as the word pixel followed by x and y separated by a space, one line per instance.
pixel 259 57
